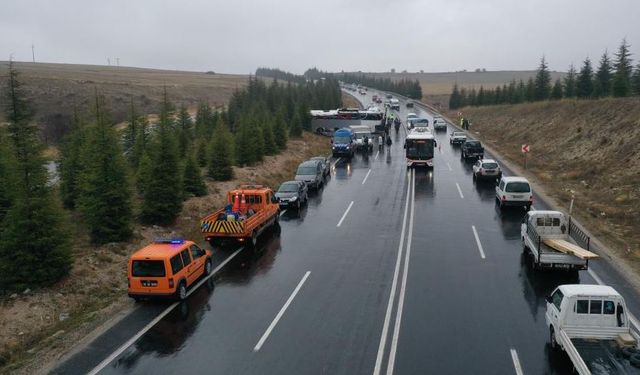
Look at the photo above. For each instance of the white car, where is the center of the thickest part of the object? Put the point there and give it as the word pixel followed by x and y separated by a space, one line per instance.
pixel 457 138
pixel 514 191
pixel 486 168
pixel 439 124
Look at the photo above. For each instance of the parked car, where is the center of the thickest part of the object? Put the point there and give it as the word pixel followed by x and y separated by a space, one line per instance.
pixel 409 104
pixel 472 148
pixel 457 138
pixel 166 268
pixel 486 168
pixel 292 194
pixel 311 172
pixel 514 191
pixel 326 165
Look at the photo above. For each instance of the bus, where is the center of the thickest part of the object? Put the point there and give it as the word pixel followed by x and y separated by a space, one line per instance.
pixel 329 121
pixel 419 147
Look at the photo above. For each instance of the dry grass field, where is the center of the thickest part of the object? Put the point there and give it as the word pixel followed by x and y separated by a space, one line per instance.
pixel 56 89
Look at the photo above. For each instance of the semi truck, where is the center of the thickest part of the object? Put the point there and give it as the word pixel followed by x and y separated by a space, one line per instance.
pixel 250 210
pixel 592 325
pixel 550 241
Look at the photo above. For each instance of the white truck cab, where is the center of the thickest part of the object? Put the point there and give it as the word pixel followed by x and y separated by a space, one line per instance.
pixel 579 316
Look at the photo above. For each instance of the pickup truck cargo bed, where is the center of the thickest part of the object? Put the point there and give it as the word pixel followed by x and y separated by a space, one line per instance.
pixel 603 357
pixel 569 248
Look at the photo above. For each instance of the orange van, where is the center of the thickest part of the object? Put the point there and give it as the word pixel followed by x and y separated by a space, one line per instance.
pixel 166 268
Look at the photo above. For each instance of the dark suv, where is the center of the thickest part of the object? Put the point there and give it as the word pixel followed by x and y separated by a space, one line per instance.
pixel 472 149
pixel 292 194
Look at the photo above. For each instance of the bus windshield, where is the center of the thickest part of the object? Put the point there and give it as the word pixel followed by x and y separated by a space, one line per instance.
pixel 419 148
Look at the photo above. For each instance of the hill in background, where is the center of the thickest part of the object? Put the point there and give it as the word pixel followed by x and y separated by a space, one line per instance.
pixel 56 89
pixel 436 87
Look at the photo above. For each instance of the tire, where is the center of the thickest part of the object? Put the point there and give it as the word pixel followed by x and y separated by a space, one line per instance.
pixel 181 292
pixel 207 267
pixel 528 207
pixel 552 340
pixel 254 238
pixel 298 205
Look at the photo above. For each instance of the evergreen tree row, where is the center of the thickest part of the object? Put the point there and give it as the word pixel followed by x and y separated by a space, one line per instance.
pixel 408 88
pixel 615 78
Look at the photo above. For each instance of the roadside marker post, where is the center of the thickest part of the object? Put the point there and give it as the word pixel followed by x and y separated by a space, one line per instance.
pixel 525 151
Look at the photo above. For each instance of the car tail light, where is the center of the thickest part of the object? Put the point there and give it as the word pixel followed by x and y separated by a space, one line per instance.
pixel 481 170
pixel 531 198
pixel 504 197
pixel 170 283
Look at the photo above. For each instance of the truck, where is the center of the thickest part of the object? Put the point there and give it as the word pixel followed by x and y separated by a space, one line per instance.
pixel 343 143
pixel 360 132
pixel 472 148
pixel 550 241
pixel 394 104
pixel 592 325
pixel 250 210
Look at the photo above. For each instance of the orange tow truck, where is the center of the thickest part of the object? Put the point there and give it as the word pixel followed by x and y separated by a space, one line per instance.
pixel 250 210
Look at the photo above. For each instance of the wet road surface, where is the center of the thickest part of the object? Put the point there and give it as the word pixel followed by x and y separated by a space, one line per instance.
pixel 386 270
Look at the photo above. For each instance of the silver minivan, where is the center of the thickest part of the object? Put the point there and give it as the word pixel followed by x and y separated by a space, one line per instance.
pixel 311 172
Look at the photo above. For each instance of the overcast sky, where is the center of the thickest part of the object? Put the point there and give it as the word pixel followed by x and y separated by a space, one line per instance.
pixel 237 36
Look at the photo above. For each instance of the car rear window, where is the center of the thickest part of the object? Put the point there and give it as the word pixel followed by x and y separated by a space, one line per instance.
pixel 473 143
pixel 489 165
pixel 148 268
pixel 517 187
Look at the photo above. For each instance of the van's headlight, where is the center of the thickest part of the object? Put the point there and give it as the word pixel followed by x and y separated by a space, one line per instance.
pixel 293 199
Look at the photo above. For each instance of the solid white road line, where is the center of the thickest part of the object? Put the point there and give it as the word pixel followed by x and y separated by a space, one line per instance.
pixel 459 191
pixel 475 233
pixel 365 177
pixel 336 162
pixel 595 277
pixel 403 288
pixel 280 313
pixel 377 154
pixel 152 323
pixel 345 214
pixel 516 362
pixel 385 326
pixel 449 166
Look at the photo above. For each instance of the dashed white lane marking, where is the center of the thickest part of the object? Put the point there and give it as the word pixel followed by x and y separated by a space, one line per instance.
pixel 377 154
pixel 365 177
pixel 152 323
pixel 403 288
pixel 475 234
pixel 337 161
pixel 459 191
pixel 385 326
pixel 280 313
pixel 516 362
pixel 344 215
pixel 449 166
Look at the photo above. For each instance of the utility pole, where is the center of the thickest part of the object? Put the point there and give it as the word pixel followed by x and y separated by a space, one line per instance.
pixel 117 61
pixel 33 52
pixel 109 61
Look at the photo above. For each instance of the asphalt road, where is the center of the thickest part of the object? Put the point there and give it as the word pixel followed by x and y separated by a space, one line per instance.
pixel 385 271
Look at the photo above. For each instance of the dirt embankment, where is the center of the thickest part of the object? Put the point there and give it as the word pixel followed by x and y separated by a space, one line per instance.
pixel 586 148
pixel 349 101
pixel 38 327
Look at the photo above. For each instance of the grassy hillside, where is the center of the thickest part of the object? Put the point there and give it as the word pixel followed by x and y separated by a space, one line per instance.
pixel 589 147
pixel 56 88
pixel 436 87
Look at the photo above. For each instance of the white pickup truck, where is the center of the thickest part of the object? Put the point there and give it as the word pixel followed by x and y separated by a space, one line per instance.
pixel 549 241
pixel 592 325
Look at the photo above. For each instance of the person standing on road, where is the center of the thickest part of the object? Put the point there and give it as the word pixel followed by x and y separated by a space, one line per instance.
pixel 389 142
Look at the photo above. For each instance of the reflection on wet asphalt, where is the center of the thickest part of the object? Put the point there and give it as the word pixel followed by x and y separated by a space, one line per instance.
pixel 462 313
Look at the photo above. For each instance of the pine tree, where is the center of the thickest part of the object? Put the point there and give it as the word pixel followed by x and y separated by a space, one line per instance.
pixel 145 168
pixel 162 190
pixel 570 83
pixel 530 90
pixel 454 99
pixel 104 194
pixel 203 116
pixel 220 156
pixel 305 116
pixel 131 133
pixel 71 163
pixel 201 153
pixel 185 131
pixel 542 83
pixel 142 141
pixel 621 85
pixel 270 147
pixel 602 84
pixel 584 84
pixel 280 131
pixel 6 187
pixel 192 178
pixel 481 96
pixel 295 127
pixel 245 152
pixel 34 244
pixel 521 92
pixel 556 91
pixel 635 81
pixel 257 139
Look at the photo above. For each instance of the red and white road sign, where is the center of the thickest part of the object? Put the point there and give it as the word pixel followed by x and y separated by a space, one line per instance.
pixel 525 149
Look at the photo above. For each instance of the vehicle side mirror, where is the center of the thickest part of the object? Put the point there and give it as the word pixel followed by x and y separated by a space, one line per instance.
pixel 548 299
pixel 435 144
pixel 275 199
